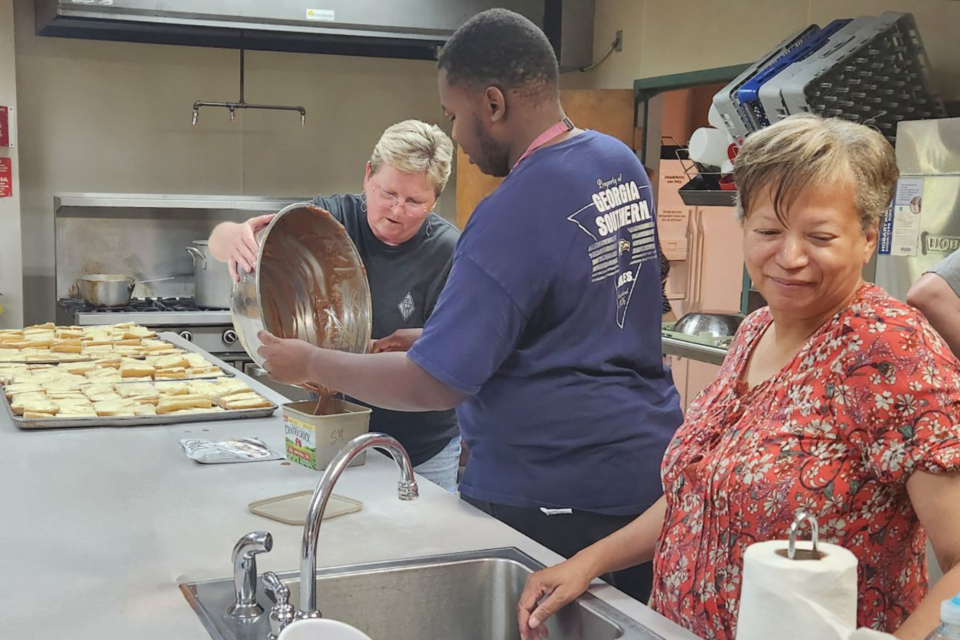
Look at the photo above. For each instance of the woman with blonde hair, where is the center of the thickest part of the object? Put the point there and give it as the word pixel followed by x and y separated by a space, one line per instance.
pixel 835 399
pixel 407 250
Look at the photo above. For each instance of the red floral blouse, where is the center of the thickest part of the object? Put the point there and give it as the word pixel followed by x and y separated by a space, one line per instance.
pixel 871 398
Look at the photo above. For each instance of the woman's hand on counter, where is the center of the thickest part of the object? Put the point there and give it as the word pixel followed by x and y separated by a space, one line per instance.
pixel 236 244
pixel 547 592
pixel 399 340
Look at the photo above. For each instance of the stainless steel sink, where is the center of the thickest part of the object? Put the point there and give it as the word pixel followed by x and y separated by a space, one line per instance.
pixel 461 596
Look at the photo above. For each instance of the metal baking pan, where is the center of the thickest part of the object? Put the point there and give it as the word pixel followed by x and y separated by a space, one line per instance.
pixel 140 421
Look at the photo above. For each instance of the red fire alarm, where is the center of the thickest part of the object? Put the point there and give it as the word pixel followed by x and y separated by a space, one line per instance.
pixel 6 178
pixel 4 127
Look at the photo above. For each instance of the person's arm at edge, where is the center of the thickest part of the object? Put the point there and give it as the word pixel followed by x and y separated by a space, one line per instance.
pixel 387 380
pixel 551 589
pixel 934 297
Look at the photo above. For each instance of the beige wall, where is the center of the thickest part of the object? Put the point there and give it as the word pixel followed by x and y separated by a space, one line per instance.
pixel 663 37
pixel 11 279
pixel 115 117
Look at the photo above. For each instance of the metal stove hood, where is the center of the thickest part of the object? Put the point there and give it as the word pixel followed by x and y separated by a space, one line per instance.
pixel 385 28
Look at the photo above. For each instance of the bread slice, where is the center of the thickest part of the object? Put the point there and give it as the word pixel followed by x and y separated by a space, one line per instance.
pixel 233 397
pixel 105 397
pixel 178 373
pixel 77 368
pixel 62 386
pixel 171 362
pixel 170 405
pixel 19 402
pixel 228 387
pixel 141 370
pixel 113 408
pixel 205 372
pixel 39 405
pixel 197 360
pixel 37 415
pixel 77 411
pixel 97 388
pixel 259 402
pixel 145 410
pixel 139 333
pixel 155 345
pixel 110 361
pixel 134 389
pixel 47 326
pixel 174 389
pixel 22 387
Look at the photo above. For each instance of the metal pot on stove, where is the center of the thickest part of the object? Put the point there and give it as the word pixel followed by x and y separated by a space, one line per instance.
pixel 213 283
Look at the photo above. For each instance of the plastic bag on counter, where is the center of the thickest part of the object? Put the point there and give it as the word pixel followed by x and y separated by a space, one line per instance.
pixel 228 451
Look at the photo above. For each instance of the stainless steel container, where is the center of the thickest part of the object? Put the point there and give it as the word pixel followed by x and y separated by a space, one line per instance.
pixel 212 279
pixel 718 325
pixel 309 284
pixel 103 290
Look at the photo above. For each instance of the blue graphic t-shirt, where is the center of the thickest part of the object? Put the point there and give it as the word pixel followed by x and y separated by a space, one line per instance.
pixel 550 322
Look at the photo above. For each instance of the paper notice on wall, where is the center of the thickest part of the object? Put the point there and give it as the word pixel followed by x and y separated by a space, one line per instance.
pixel 323 15
pixel 904 237
pixel 6 178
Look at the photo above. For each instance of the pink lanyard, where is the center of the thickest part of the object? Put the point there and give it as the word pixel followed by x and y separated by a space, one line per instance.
pixel 560 128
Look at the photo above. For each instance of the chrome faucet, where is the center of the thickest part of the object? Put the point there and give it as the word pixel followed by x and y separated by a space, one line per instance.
pixel 245 573
pixel 407 488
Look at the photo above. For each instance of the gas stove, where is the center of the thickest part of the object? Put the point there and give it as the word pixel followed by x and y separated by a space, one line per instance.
pixel 153 312
pixel 210 329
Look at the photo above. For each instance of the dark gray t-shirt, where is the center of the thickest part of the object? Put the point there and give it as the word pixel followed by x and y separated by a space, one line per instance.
pixel 949 270
pixel 405 282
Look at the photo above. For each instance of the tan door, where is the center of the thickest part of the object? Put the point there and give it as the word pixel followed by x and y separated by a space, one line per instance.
pixel 609 111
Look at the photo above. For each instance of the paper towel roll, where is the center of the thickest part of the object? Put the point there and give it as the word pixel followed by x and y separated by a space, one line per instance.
pixel 797 599
pixel 870 634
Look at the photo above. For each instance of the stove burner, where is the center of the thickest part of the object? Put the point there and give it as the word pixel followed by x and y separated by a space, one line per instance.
pixel 138 305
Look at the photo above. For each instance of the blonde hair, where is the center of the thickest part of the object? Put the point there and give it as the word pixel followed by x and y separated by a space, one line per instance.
pixel 804 150
pixel 413 146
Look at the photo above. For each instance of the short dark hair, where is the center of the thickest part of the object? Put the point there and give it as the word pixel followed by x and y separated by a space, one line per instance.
pixel 502 48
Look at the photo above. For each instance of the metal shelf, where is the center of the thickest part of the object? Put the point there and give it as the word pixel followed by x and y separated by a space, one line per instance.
pixel 693 350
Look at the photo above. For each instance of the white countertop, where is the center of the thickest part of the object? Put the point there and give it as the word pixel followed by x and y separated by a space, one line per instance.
pixel 100 526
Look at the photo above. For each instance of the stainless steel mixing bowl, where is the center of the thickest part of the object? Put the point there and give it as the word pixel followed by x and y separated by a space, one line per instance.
pixel 718 325
pixel 309 284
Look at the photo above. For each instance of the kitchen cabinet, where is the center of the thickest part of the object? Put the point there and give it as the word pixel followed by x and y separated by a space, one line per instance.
pixel 609 111
pixel 691 377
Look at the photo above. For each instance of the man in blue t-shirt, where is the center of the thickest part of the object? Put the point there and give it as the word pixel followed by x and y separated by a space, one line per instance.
pixel 547 335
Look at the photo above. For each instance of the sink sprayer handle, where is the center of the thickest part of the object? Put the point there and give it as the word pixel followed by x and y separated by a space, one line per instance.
pixel 282 613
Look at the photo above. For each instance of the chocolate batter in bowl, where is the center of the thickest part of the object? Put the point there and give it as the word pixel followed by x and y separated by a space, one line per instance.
pixel 309 284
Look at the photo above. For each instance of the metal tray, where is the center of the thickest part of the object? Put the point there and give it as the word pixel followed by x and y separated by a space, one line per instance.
pixel 139 421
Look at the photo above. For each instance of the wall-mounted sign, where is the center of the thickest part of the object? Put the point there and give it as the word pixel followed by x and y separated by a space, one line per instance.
pixel 6 178
pixel 4 127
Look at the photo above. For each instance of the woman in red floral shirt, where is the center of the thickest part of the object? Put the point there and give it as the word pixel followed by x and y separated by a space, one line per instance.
pixel 836 399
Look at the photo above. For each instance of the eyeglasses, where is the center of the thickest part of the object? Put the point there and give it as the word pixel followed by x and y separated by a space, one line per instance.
pixel 412 209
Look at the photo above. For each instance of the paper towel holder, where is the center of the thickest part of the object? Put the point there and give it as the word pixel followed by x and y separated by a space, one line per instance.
pixel 803 554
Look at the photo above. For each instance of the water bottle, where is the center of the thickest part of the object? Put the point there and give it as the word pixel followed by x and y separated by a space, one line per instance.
pixel 949 628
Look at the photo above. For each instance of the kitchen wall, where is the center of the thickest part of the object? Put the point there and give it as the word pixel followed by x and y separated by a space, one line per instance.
pixel 11 276
pixel 663 37
pixel 115 117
